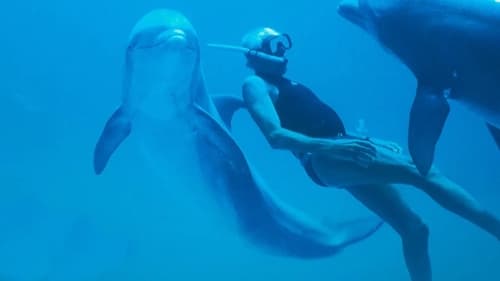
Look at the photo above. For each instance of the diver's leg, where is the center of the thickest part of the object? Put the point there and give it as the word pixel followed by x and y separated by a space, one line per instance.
pixel 385 201
pixel 387 168
pixel 391 168
pixel 454 198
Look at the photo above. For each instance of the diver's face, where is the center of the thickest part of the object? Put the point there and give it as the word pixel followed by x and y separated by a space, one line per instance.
pixel 266 67
pixel 274 46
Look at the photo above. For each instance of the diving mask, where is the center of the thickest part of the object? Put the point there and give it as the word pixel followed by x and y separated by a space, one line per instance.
pixel 273 48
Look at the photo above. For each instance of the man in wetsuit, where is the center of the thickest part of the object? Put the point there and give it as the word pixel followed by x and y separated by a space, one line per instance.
pixel 292 117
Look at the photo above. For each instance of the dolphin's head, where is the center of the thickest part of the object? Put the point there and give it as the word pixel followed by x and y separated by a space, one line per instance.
pixel 367 14
pixel 163 59
pixel 163 28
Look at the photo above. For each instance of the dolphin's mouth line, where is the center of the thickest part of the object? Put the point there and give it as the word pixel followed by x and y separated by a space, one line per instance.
pixel 176 38
pixel 189 48
pixel 167 42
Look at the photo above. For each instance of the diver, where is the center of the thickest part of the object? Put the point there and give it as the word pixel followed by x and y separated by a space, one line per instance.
pixel 291 117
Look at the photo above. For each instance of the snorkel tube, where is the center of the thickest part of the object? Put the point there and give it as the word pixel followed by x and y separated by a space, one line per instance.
pixel 251 52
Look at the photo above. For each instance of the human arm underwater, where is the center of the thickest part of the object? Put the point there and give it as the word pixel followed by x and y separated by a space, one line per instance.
pixel 260 106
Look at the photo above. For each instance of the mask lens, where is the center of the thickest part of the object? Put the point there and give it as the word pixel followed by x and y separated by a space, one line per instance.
pixel 278 45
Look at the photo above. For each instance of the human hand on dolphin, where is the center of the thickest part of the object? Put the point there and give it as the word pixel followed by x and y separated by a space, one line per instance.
pixel 357 150
pixel 392 146
pixel 387 144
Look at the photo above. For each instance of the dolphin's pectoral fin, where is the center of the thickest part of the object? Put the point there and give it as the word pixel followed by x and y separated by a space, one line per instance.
pixel 117 128
pixel 495 132
pixel 427 117
pixel 227 106
pixel 353 231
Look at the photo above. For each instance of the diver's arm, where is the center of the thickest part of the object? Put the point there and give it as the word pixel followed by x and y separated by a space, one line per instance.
pixel 259 104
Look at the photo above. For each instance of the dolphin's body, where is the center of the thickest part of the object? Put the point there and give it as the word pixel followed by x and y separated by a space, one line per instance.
pixel 164 88
pixel 452 48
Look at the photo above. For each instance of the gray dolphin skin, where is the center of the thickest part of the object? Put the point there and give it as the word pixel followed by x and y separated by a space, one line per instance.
pixel 451 47
pixel 164 88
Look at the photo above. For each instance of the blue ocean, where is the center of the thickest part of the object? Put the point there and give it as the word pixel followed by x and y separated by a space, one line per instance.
pixel 147 217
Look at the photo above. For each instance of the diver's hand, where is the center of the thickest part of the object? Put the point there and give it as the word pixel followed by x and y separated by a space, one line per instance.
pixel 387 144
pixel 359 151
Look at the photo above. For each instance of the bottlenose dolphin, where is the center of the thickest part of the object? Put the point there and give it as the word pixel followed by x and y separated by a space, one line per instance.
pixel 452 48
pixel 164 85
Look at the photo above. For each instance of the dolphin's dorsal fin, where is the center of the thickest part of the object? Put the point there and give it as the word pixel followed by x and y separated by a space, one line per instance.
pixel 495 132
pixel 427 118
pixel 226 106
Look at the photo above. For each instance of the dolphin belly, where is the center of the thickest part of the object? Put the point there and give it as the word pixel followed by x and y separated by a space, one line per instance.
pixel 478 89
pixel 160 63
pixel 487 108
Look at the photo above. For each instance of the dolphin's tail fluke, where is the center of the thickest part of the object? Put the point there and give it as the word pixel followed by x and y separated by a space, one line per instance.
pixel 350 232
pixel 300 236
pixel 263 217
pixel 308 238
pixel 115 131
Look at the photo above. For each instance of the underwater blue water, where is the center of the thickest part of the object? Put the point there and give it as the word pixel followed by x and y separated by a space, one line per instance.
pixel 60 67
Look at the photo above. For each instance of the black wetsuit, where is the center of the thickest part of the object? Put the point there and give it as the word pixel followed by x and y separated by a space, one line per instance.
pixel 301 111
